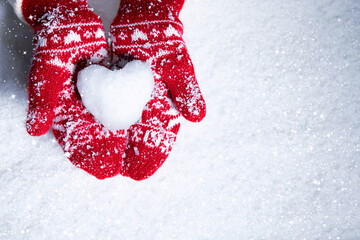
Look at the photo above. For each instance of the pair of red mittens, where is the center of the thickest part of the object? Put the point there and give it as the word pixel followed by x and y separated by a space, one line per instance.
pixel 68 36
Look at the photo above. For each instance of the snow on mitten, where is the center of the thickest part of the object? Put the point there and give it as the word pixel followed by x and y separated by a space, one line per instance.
pixel 150 140
pixel 66 32
pixel 88 144
pixel 68 35
pixel 150 30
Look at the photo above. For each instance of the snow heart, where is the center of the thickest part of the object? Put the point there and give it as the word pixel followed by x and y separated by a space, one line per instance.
pixel 116 98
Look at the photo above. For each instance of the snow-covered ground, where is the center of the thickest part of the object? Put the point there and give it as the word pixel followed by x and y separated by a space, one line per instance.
pixel 277 156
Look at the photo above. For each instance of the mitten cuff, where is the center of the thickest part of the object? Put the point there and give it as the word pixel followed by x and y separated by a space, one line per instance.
pixel 27 10
pixel 131 11
pixel 32 11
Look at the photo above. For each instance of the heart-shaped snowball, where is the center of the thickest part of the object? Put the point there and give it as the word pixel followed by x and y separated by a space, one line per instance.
pixel 116 98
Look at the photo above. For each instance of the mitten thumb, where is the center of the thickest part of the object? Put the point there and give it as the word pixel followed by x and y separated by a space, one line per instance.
pixel 45 83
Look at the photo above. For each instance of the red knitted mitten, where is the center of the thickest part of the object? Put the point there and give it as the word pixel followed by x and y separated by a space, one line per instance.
pixel 88 144
pixel 150 140
pixel 66 32
pixel 150 30
pixel 68 35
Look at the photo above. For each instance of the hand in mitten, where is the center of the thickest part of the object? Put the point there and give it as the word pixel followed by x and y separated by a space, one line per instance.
pixel 67 32
pixel 87 143
pixel 150 140
pixel 150 30
pixel 68 35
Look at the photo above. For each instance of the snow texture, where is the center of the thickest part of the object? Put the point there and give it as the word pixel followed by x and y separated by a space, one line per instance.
pixel 116 98
pixel 277 156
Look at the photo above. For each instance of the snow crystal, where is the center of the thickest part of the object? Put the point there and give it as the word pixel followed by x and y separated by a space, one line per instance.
pixel 136 151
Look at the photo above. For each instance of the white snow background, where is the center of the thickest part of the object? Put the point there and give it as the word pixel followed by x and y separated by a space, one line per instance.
pixel 277 156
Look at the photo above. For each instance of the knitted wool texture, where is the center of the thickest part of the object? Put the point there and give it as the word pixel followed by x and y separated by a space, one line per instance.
pixel 150 30
pixel 67 36
pixel 66 33
pixel 150 140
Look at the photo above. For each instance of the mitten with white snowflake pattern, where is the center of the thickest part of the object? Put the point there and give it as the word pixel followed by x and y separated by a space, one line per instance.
pixel 67 32
pixel 150 30
pixel 68 36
